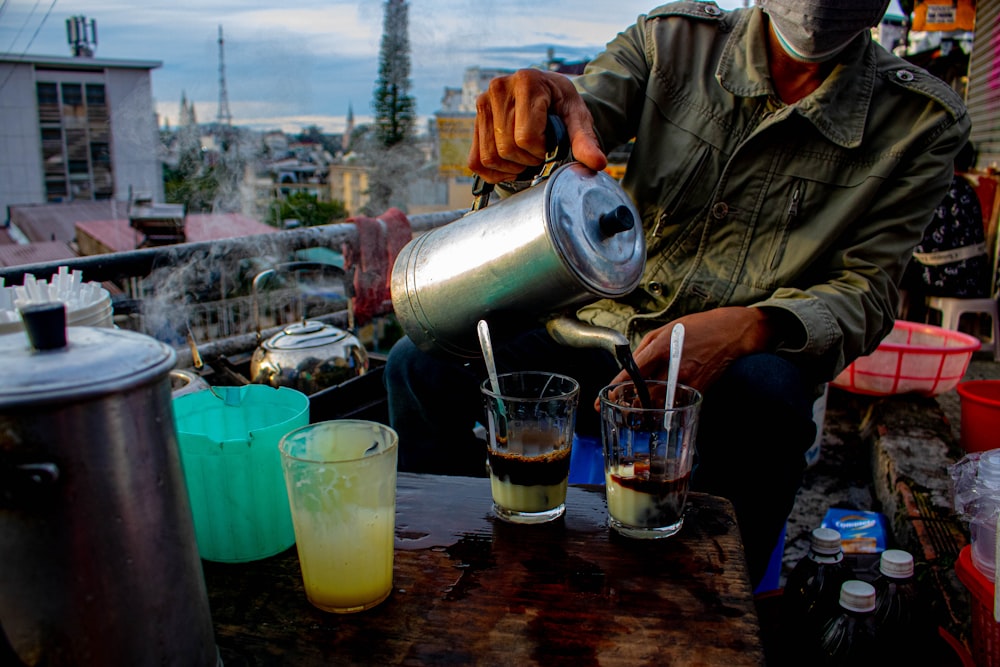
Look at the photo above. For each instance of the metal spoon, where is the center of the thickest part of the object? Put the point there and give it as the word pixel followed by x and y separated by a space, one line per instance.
pixel 491 368
pixel 676 348
pixel 484 342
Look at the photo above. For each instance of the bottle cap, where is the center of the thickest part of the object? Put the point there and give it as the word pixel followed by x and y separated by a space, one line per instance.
pixel 988 471
pixel 896 563
pixel 857 595
pixel 825 541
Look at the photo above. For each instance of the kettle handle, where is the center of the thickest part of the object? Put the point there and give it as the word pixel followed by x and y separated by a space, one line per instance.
pixel 287 266
pixel 557 150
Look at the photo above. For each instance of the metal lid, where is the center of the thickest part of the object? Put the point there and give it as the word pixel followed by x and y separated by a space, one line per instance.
pixel 304 335
pixel 596 229
pixel 93 362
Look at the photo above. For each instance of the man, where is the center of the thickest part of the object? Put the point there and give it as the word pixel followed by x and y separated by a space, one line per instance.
pixel 784 166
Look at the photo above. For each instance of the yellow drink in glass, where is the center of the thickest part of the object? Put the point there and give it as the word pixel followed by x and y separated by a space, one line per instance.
pixel 341 481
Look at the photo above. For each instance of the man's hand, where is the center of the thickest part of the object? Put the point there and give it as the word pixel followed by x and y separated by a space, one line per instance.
pixel 712 341
pixel 510 124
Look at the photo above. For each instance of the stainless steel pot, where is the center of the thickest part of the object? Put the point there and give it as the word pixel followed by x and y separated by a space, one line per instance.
pixel 307 356
pixel 521 262
pixel 100 564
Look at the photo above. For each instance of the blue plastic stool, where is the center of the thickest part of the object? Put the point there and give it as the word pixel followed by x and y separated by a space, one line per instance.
pixel 586 461
pixel 772 575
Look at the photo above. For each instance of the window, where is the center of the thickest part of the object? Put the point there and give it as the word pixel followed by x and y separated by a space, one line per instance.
pixel 72 94
pixel 48 93
pixel 95 94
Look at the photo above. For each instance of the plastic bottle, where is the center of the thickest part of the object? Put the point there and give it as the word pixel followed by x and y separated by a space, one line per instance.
pixel 813 587
pixel 849 637
pixel 986 508
pixel 900 627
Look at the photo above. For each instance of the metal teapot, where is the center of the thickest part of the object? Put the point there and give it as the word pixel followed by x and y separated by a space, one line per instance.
pixel 307 356
pixel 569 239
pixel 100 564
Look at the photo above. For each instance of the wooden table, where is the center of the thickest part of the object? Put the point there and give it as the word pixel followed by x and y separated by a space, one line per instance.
pixel 471 589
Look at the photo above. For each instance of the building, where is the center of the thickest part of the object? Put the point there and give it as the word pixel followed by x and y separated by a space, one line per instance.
pixel 76 129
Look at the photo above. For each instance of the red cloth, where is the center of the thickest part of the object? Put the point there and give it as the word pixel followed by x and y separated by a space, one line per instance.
pixel 379 242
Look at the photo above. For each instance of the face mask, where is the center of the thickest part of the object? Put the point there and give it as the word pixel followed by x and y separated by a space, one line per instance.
pixel 817 30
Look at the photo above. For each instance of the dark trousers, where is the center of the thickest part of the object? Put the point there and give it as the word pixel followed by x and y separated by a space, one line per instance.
pixel 755 426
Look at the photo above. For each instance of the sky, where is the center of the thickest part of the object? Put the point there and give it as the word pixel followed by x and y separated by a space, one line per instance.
pixel 306 62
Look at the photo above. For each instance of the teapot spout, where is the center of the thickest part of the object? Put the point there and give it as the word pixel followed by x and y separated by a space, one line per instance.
pixel 574 333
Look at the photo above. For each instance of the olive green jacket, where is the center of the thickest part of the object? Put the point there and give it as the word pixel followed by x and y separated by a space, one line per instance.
pixel 813 207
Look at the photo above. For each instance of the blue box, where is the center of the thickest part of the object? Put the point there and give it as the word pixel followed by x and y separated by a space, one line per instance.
pixel 860 532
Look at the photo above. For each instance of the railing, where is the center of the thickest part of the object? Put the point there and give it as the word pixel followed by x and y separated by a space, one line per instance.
pixel 203 287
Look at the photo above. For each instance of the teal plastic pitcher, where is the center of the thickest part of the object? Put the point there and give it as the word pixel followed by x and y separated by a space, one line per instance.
pixel 228 438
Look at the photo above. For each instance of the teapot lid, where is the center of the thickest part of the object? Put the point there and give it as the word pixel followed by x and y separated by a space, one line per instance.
pixel 307 334
pixel 596 229
pixel 48 362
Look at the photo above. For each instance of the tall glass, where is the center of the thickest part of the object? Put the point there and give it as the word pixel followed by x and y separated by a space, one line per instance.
pixel 341 482
pixel 531 424
pixel 648 452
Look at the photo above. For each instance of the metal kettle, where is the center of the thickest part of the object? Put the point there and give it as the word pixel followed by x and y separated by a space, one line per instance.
pixel 100 563
pixel 569 239
pixel 307 356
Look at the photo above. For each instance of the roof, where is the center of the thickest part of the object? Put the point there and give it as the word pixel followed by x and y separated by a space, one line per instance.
pixel 34 253
pixel 119 236
pixel 69 62
pixel 57 222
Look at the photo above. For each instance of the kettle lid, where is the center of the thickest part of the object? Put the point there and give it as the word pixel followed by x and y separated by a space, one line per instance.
pixel 596 229
pixel 308 334
pixel 43 364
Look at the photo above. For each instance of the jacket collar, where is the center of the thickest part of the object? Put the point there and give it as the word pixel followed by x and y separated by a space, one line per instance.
pixel 838 108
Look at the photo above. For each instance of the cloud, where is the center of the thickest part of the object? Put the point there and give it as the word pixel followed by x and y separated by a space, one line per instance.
pixel 310 59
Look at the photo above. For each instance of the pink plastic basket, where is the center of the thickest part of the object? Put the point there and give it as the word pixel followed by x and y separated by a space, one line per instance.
pixel 913 358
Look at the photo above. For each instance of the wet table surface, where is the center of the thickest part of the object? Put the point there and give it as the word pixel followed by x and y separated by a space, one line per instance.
pixel 471 589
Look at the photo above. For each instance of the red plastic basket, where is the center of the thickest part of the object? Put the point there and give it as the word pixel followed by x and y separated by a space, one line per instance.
pixel 913 358
pixel 985 630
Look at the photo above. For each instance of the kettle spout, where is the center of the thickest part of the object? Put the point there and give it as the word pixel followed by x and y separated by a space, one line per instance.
pixel 574 333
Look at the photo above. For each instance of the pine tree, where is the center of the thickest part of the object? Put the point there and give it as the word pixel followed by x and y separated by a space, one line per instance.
pixel 392 153
pixel 394 107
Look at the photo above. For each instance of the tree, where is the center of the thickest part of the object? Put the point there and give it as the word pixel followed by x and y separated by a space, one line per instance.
pixel 394 107
pixel 392 153
pixel 307 209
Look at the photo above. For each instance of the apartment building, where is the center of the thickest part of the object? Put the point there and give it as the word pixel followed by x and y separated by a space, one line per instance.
pixel 76 129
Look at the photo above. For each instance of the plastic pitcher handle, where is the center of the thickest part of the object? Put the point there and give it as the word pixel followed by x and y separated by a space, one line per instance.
pixel 232 396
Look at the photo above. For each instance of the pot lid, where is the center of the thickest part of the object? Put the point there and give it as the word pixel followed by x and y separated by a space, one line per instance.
pixel 596 229
pixel 48 362
pixel 308 334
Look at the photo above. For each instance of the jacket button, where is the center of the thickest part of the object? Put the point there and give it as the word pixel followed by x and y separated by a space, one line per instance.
pixel 904 75
pixel 712 10
pixel 720 210
pixel 655 288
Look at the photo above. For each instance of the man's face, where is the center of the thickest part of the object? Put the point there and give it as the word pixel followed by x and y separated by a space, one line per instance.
pixel 817 30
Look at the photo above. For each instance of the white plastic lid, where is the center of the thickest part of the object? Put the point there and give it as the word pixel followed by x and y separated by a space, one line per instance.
pixel 825 541
pixel 896 563
pixel 856 595
pixel 988 471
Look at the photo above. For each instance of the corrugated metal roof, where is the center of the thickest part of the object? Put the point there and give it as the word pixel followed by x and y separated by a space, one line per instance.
pixel 118 236
pixel 57 222
pixel 34 253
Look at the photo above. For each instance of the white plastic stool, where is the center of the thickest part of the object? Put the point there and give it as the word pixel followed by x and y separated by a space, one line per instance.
pixel 952 310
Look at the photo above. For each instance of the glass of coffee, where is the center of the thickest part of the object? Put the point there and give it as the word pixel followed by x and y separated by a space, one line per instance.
pixel 648 452
pixel 530 422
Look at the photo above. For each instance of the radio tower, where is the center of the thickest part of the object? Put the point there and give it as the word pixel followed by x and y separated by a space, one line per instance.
pixel 224 117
